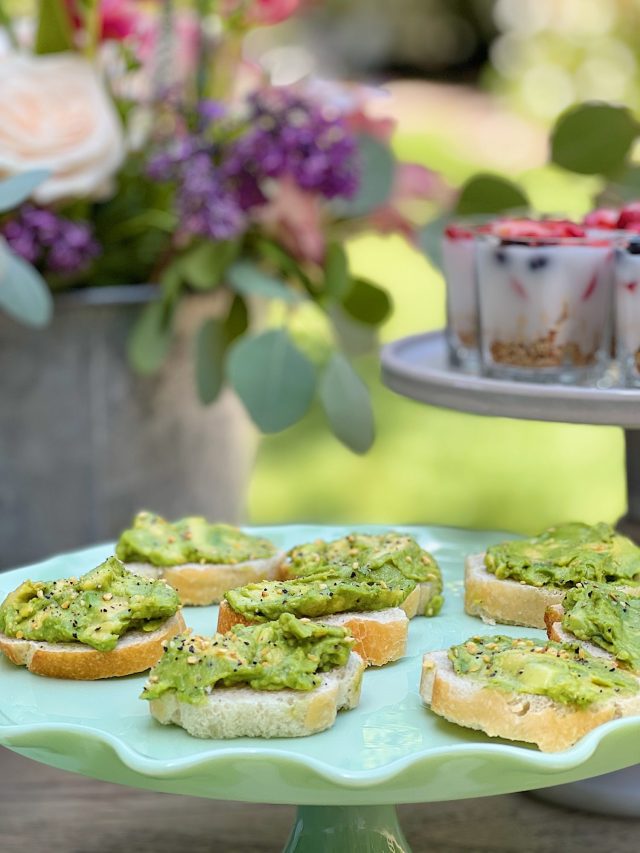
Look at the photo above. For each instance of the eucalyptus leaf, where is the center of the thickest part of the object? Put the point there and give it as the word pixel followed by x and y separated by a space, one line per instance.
pixel 367 302
pixel 24 294
pixel 274 380
pixel 213 340
pixel 150 338
pixel 377 171
pixel 249 280
pixel 593 138
pixel 429 239
pixel 354 337
pixel 347 405
pixel 211 347
pixel 203 267
pixel 54 33
pixel 18 188
pixel 336 272
pixel 488 193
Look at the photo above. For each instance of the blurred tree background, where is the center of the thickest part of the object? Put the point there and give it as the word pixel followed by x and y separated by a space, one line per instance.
pixel 474 84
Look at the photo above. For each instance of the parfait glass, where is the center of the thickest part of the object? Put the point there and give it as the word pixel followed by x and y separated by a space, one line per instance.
pixel 627 309
pixel 459 268
pixel 545 305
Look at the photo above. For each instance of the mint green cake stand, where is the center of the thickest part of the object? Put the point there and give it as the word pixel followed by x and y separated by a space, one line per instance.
pixel 347 780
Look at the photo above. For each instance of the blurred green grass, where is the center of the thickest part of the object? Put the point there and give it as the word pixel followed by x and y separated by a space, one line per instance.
pixel 430 465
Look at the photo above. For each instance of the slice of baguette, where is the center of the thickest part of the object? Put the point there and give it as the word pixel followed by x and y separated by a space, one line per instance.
pixel 135 652
pixel 555 631
pixel 551 725
pixel 201 584
pixel 506 601
pixel 380 635
pixel 243 712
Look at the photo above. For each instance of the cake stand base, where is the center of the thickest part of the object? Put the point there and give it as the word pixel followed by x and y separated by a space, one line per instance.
pixel 347 829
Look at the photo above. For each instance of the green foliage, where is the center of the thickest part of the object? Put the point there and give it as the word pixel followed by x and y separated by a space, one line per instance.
pixel 336 272
pixel 593 138
pixel 429 239
pixel 274 380
pixel 367 302
pixel 204 265
pixel 24 295
pixel 346 403
pixel 377 171
pixel 248 279
pixel 488 193
pixel 18 188
pixel 213 341
pixel 150 338
pixel 54 33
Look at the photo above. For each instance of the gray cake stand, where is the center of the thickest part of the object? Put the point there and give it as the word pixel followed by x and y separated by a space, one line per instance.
pixel 418 367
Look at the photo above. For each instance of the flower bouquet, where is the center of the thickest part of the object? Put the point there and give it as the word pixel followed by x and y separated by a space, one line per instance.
pixel 148 151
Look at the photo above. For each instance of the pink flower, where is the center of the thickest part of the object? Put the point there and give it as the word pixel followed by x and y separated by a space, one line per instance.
pixel 118 18
pixel 412 183
pixel 294 218
pixel 261 12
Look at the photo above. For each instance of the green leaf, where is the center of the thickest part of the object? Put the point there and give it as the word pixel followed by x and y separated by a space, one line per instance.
pixel 18 188
pixel 213 341
pixel 204 266
pixel 237 321
pixel 346 402
pixel 377 171
pixel 274 380
pixel 150 338
pixel 487 193
pixel 249 280
pixel 367 302
pixel 593 138
pixel 211 348
pixel 355 338
pixel 54 33
pixel 429 239
pixel 24 294
pixel 336 271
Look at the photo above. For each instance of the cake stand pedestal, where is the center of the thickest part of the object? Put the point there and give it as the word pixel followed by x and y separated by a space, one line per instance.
pixel 418 367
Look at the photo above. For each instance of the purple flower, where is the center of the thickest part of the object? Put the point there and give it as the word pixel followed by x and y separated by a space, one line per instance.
pixel 50 241
pixel 292 136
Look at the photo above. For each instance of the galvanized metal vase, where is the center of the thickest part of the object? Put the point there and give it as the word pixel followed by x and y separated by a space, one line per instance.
pixel 85 443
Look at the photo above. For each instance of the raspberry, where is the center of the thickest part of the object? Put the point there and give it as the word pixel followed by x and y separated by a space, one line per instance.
pixel 602 217
pixel 629 215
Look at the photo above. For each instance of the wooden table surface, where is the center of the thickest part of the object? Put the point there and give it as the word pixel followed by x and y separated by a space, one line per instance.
pixel 42 809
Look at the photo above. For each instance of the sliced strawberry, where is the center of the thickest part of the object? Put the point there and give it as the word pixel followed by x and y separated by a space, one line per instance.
pixel 537 228
pixel 518 288
pixel 590 288
pixel 629 215
pixel 602 217
pixel 458 232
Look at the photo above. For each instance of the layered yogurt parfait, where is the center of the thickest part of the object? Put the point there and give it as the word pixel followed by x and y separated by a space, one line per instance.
pixel 459 267
pixel 627 309
pixel 545 300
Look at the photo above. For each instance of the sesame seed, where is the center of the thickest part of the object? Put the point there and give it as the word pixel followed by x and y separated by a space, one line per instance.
pixel 107 596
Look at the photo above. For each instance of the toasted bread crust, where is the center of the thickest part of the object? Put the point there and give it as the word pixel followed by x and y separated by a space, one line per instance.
pixel 555 631
pixel 135 652
pixel 200 585
pixel 551 725
pixel 380 635
pixel 242 712
pixel 506 601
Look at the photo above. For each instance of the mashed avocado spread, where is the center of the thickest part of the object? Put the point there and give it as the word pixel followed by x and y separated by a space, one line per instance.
pixel 393 558
pixel 607 617
pixel 95 609
pixel 566 554
pixel 154 540
pixel 287 653
pixel 318 595
pixel 560 671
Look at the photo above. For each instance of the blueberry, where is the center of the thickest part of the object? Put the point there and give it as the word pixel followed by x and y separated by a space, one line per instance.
pixel 538 261
pixel 501 257
pixel 633 246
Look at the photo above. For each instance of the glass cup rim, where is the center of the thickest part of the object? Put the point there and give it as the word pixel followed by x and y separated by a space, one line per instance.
pixel 548 240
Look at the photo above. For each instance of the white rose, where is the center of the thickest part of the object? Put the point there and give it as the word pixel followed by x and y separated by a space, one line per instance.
pixel 55 114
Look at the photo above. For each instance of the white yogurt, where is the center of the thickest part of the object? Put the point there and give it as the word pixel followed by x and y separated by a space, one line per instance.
pixel 458 263
pixel 544 309
pixel 627 314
